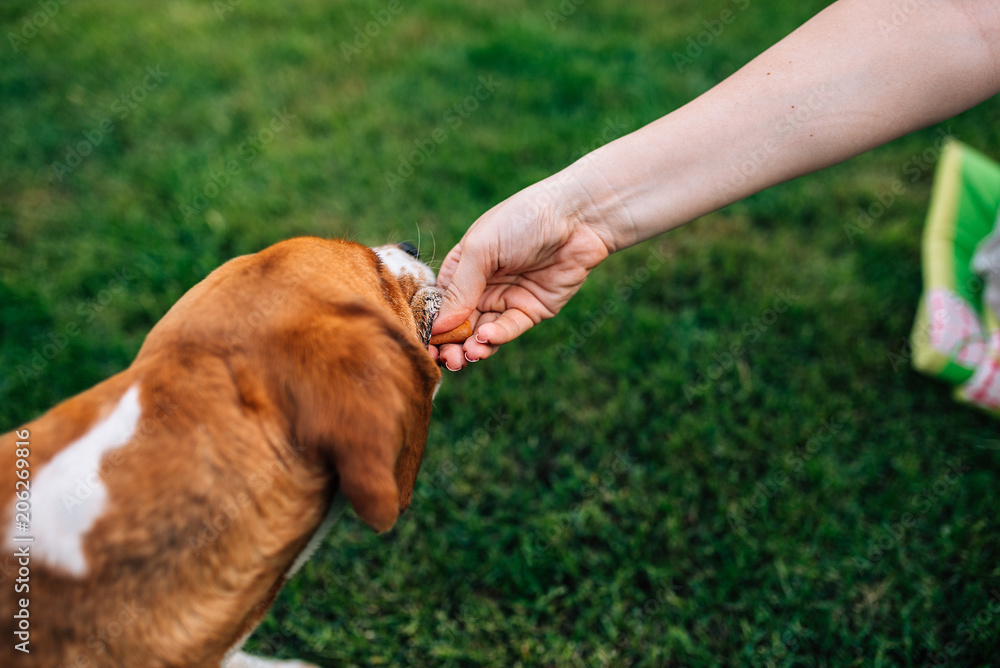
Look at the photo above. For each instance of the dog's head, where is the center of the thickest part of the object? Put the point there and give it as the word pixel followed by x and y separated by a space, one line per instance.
pixel 376 441
pixel 416 281
pixel 335 334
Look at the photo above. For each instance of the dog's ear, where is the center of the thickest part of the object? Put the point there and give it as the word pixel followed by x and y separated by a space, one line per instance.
pixel 364 405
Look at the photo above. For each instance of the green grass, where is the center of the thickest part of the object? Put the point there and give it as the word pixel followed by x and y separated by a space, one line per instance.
pixel 579 504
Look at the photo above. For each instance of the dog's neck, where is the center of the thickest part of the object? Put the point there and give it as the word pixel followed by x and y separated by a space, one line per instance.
pixel 337 508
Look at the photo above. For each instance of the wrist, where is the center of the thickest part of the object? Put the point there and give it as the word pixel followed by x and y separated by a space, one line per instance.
pixel 587 198
pixel 640 185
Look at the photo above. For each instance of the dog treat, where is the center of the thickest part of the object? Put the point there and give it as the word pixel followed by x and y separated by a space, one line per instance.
pixel 457 335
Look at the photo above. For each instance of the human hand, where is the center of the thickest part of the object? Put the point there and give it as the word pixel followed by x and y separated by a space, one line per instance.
pixel 517 265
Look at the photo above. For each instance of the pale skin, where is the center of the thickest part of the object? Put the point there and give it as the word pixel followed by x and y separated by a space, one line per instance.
pixel 858 74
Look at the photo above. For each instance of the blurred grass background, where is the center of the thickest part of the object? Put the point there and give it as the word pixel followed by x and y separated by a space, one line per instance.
pixel 611 490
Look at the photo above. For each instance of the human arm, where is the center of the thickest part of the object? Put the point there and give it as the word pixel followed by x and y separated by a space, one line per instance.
pixel 850 79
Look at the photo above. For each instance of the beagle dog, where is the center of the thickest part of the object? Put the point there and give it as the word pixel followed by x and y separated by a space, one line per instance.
pixel 172 501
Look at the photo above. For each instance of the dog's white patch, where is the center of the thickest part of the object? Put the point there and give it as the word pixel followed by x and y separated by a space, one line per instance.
pixel 242 660
pixel 400 262
pixel 68 495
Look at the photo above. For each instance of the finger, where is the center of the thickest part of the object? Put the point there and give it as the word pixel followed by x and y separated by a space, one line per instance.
pixel 448 266
pixel 511 324
pixel 474 350
pixel 462 294
pixel 452 357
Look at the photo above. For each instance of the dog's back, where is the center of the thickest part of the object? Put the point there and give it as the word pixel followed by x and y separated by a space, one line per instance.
pixel 164 507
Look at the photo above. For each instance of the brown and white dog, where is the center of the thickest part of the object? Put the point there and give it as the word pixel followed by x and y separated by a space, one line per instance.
pixel 283 380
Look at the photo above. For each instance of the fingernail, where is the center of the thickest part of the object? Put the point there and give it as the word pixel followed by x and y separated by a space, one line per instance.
pixel 480 340
pixel 450 369
pixel 468 359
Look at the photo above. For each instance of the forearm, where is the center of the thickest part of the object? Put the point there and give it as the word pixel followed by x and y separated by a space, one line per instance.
pixel 838 86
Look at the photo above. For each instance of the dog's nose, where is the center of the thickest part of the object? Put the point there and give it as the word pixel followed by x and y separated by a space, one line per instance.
pixel 410 249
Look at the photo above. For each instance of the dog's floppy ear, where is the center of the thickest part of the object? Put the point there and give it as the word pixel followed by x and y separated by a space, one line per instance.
pixel 364 404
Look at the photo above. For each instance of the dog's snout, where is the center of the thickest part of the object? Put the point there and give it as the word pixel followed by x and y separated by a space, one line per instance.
pixel 410 249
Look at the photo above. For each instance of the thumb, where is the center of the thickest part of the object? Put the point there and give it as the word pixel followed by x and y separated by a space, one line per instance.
pixel 461 296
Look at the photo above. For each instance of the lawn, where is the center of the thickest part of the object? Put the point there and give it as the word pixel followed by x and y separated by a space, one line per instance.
pixel 616 488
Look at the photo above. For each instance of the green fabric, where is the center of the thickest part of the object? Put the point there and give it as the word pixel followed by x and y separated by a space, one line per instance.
pixel 979 199
pixel 963 210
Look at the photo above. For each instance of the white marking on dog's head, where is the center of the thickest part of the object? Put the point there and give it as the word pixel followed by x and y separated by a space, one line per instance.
pixel 399 262
pixel 68 495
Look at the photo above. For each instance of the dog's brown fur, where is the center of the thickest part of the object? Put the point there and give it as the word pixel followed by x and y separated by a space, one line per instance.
pixel 328 386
